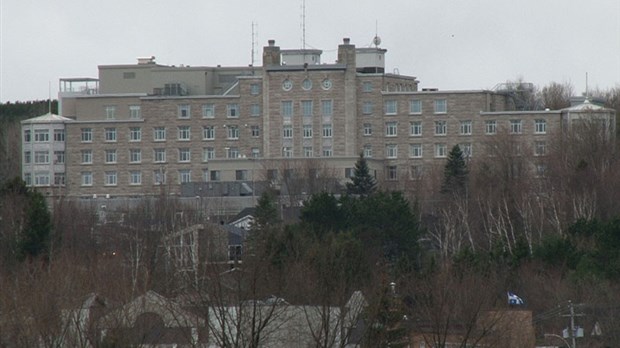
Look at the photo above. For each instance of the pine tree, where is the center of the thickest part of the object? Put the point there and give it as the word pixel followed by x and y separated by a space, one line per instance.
pixel 35 239
pixel 455 172
pixel 363 183
pixel 266 214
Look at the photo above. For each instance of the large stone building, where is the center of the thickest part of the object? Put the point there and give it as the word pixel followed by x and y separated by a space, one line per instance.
pixel 138 128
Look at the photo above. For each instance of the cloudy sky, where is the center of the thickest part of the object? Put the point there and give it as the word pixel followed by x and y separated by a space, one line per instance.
pixel 447 44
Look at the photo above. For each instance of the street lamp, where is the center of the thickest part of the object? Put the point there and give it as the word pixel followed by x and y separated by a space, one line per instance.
pixel 560 337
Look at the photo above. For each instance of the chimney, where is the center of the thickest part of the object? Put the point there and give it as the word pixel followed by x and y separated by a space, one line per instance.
pixel 271 54
pixel 346 53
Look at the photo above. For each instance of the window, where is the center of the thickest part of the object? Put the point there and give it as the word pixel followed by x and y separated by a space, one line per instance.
pixel 287 109
pixel 391 151
pixel 87 135
pixel 368 151
pixel 87 178
pixel 368 108
pixel 208 111
pixel 441 106
pixel 134 112
pixel 367 129
pixel 415 106
pixel 232 110
pixel 307 131
pixel 254 89
pixel 415 173
pixel 110 178
pixel 490 127
pixel 465 127
pixel 255 152
pixel 41 179
pixel 327 130
pixel 110 156
pixel 441 127
pixel 541 169
pixel 287 132
pixel 59 179
pixel 367 86
pixel 327 151
pixel 28 179
pixel 441 150
pixel 255 131
pixel 135 156
pixel 110 134
pixel 415 129
pixel 110 112
pixel 59 135
pixel 306 108
pixel 515 126
pixel 232 152
pixel 184 133
pixel 87 156
pixel 159 134
pixel 540 126
pixel 391 129
pixel 184 155
pixel 27 157
pixel 185 176
pixel 208 133
pixel 391 107
pixel 135 134
pixel 466 149
pixel 41 157
pixel 129 75
pixel 59 157
pixel 241 175
pixel 255 110
pixel 184 111
pixel 233 132
pixel 159 155
pixel 159 177
pixel 215 175
pixel 41 135
pixel 287 151
pixel 392 173
pixel 135 177
pixel 327 107
pixel 27 136
pixel 540 148
pixel 308 151
pixel 208 153
pixel 306 84
pixel 415 150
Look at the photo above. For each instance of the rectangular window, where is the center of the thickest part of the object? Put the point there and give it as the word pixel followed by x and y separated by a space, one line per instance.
pixel 368 108
pixel 41 135
pixel 307 131
pixel 87 135
pixel 134 112
pixel 306 108
pixel 215 175
pixel 327 151
pixel 541 169
pixel 308 151
pixel 110 178
pixel 287 151
pixel 466 149
pixel 184 133
pixel 391 129
pixel 59 157
pixel 327 130
pixel 159 155
pixel 415 173
pixel 135 156
pixel 59 179
pixel 159 177
pixel 367 129
pixel 110 112
pixel 392 173
pixel 184 155
pixel 540 126
pixel 490 127
pixel 441 150
pixel 255 131
pixel 185 176
pixel 233 132
pixel 184 111
pixel 415 150
pixel 391 151
pixel 135 134
pixel 441 106
pixel 87 178
pixel 441 127
pixel 415 106
pixel 255 110
pixel 287 132
pixel 87 156
pixel 255 152
pixel 41 157
pixel 515 127
pixel 208 133
pixel 110 156
pixel 232 110
pixel 28 179
pixel 135 177
pixel 466 127
pixel 27 136
pixel 327 107
pixel 540 148
pixel 208 111
pixel 254 89
pixel 232 152
pixel 415 129
pixel 208 153
pixel 129 75
pixel 159 134
pixel 241 175
pixel 391 107
pixel 59 135
pixel 110 134
pixel 287 109
pixel 367 86
pixel 368 151
pixel 27 157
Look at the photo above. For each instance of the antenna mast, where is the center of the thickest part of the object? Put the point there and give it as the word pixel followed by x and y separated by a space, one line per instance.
pixel 49 92
pixel 303 24
pixel 254 38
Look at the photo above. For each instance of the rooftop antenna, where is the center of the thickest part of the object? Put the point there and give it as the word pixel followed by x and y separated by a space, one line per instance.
pixel 376 40
pixel 254 38
pixel 587 86
pixel 303 24
pixel 49 92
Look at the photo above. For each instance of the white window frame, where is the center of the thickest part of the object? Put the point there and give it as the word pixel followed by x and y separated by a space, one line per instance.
pixel 159 155
pixel 327 107
pixel 208 110
pixel 367 129
pixel 110 135
pixel 135 112
pixel 307 129
pixel 440 106
pixel 367 151
pixel 110 156
pixel 255 110
pixel 308 151
pixel 185 176
pixel 42 157
pixel 327 130
pixel 415 129
pixel 159 134
pixel 516 126
pixel 287 151
pixel 135 155
pixel 185 155
pixel 135 177
pixel 540 126
pixel 490 127
pixel 233 132
pixel 255 131
pixel 110 112
pixel 41 135
pixel 232 110
pixel 184 111
pixel 391 129
pixel 415 107
pixel 466 127
pixel 441 128
pixel 286 109
pixel 208 153
pixel 87 179
pixel 441 150
pixel 368 108
pixel 416 150
pixel 307 107
pixel 208 132
pixel 287 131
pixel 87 135
pixel 184 133
pixel 135 134
pixel 540 148
pixel 110 178
pixel 87 156
pixel 391 151
pixel 391 107
pixel 59 135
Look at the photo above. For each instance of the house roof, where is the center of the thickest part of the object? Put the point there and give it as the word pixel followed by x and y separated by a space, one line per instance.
pixel 585 106
pixel 243 214
pixel 47 118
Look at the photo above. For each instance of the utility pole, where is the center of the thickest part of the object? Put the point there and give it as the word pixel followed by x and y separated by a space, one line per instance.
pixel 572 315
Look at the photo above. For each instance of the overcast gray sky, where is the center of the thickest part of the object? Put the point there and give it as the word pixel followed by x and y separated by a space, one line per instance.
pixel 447 44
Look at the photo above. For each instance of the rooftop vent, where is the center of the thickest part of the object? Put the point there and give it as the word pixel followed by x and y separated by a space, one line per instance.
pixel 146 60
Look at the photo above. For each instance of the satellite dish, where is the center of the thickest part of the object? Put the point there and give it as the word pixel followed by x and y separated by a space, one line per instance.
pixel 376 41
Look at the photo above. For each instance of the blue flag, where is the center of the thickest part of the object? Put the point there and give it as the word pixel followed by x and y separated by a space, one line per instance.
pixel 514 299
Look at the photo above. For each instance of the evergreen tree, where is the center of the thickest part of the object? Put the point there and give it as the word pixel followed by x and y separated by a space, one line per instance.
pixel 363 183
pixel 266 214
pixel 35 238
pixel 455 172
